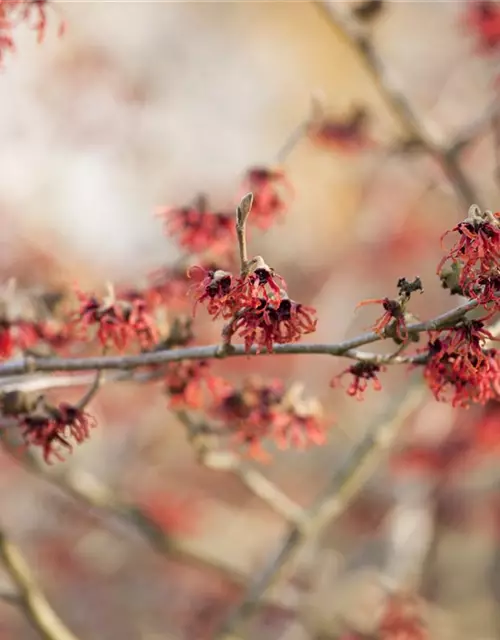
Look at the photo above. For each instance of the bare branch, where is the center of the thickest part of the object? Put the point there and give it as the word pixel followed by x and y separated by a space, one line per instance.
pixel 343 486
pixel 347 348
pixel 31 598
pixel 403 112
pixel 90 492
pixel 258 484
pixel 253 480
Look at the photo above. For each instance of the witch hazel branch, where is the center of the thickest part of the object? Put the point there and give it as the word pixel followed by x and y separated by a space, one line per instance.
pixel 149 328
pixel 255 308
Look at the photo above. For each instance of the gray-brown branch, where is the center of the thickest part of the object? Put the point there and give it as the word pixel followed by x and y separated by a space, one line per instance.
pixel 346 348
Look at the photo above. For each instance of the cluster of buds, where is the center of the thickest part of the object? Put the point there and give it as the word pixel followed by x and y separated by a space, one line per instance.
pixel 362 373
pixel 460 365
pixel 117 321
pixel 475 258
pixel 260 411
pixel 48 427
pixel 257 303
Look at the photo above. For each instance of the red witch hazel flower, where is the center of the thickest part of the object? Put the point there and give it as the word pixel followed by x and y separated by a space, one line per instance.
pixel 262 281
pixel 261 312
pixel 118 321
pixel 272 193
pixel 138 318
pixel 6 342
pixel 362 373
pixel 56 335
pixel 477 255
pixel 198 230
pixel 458 364
pixel 260 411
pixel 402 619
pixel 393 320
pixel 55 427
pixel 483 19
pixel 215 288
pixel 272 322
pixel 185 382
pixel 15 335
pixel 168 286
pixel 300 423
pixel 346 135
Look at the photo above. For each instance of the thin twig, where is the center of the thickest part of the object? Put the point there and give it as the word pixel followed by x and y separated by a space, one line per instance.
pixel 346 348
pixel 345 484
pixel 297 134
pixel 346 30
pixel 93 389
pixel 252 479
pixel 91 493
pixel 258 484
pixel 471 131
pixel 31 598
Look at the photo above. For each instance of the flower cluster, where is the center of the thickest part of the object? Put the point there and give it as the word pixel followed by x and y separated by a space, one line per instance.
pixel 118 321
pixel 55 427
pixel 198 229
pixel 16 335
pixel 476 257
pixel 459 368
pixel 362 373
pixel 257 303
pixel 260 411
pixel 185 382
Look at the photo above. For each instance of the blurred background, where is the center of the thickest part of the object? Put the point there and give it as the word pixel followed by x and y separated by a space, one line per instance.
pixel 143 104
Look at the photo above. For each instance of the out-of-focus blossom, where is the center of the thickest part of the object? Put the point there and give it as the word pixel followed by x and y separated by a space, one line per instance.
pixel 362 373
pixel 259 411
pixel 482 18
pixel 272 193
pixel 199 230
pixel 186 381
pixel 56 427
pixel 346 135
